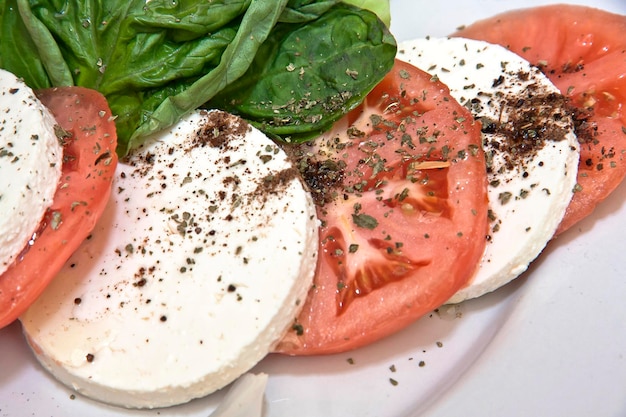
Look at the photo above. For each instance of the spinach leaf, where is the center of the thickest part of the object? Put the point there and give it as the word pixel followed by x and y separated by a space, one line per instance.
pixel 307 76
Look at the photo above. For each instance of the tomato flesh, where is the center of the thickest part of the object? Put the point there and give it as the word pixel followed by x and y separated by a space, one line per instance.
pixel 89 162
pixel 405 227
pixel 583 52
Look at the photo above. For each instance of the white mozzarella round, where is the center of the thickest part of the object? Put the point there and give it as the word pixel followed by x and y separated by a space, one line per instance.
pixel 197 267
pixel 30 165
pixel 529 143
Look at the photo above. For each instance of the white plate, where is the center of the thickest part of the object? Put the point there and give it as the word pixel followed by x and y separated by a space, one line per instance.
pixel 552 343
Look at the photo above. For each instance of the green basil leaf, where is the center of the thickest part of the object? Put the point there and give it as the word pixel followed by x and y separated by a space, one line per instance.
pixel 18 53
pixel 307 76
pixel 300 11
pixel 76 38
pixel 256 24
pixel 156 61
pixel 381 8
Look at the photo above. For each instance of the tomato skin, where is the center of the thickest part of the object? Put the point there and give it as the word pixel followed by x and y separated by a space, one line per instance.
pixel 408 227
pixel 583 52
pixel 88 169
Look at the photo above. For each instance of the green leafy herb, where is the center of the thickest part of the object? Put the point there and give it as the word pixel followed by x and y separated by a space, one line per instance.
pixel 156 61
pixel 307 76
pixel 381 8
pixel 365 221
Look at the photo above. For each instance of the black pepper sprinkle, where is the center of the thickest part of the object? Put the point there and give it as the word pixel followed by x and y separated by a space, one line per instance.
pixel 140 283
pixel 90 357
pixel 297 327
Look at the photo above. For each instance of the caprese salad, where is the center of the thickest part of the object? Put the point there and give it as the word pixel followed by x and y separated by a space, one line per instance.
pixel 54 187
pixel 219 245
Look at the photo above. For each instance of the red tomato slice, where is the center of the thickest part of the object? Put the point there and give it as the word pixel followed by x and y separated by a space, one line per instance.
pixel 407 226
pixel 583 52
pixel 89 162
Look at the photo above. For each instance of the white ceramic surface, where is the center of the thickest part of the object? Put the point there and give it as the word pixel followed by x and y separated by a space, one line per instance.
pixel 552 343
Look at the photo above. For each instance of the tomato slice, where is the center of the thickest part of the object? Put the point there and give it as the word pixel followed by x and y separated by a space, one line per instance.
pixel 405 226
pixel 583 52
pixel 89 162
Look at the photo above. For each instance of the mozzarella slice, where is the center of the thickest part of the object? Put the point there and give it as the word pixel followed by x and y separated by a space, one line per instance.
pixel 197 267
pixel 529 142
pixel 30 165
